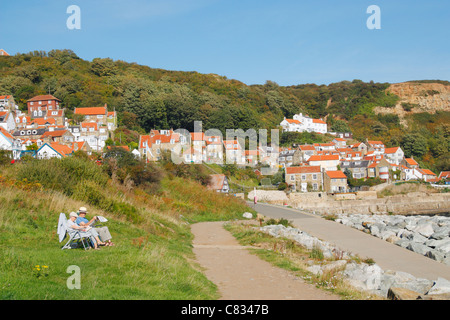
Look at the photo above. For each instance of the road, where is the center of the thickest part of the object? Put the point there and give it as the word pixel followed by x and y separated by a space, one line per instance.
pixel 387 255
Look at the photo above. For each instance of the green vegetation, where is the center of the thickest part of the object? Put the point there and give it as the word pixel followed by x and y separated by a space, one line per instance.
pixel 153 256
pixel 148 98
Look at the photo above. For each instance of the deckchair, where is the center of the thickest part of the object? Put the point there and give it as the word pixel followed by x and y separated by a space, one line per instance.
pixel 74 236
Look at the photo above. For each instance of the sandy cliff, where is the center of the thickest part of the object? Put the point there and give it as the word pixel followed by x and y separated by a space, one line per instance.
pixel 425 97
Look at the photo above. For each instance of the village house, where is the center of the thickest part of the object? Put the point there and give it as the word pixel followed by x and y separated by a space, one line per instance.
pixel 95 134
pixel 53 150
pixel 291 125
pixel 99 115
pixel 7 120
pixel 339 142
pixel 358 168
pixel 6 140
pixel 3 53
pixel 234 152
pixel 306 151
pixel 394 155
pixel 7 103
pixel 343 135
pixel 38 104
pixel 288 157
pixel 379 169
pixel 377 147
pixel 326 162
pixel 153 145
pixel 81 146
pixel 426 175
pixel 361 147
pixel 444 175
pixel 214 149
pixel 219 183
pixel 251 157
pixel 324 146
pixel 304 178
pixel 59 135
pixel 301 123
pixel 334 181
pixel 410 163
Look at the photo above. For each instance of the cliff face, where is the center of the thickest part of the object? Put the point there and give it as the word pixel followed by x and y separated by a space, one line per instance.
pixel 421 97
pixel 430 97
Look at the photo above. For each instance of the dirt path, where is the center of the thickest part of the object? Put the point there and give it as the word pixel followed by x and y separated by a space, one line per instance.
pixel 240 275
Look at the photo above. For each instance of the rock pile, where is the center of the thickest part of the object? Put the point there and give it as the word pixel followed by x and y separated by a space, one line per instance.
pixel 363 276
pixel 425 235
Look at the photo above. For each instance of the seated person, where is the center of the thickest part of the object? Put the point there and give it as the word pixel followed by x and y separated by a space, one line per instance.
pixel 73 227
pixel 103 232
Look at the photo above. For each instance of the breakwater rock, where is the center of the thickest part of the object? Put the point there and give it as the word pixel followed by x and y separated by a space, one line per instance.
pixel 363 276
pixel 425 235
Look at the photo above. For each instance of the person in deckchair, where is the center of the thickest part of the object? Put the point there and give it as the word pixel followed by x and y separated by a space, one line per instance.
pixel 103 232
pixel 72 226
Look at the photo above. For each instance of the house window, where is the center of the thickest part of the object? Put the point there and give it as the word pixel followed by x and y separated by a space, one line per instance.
pixel 314 176
pixel 303 176
pixel 292 178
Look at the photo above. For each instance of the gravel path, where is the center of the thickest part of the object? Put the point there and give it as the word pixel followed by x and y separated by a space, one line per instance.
pixel 240 275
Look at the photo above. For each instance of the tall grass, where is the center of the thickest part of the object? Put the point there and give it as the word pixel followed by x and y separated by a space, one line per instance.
pixel 153 256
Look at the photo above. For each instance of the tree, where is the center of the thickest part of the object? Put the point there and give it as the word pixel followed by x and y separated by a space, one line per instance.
pixel 414 144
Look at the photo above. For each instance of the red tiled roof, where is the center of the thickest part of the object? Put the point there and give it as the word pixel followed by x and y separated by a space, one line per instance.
pixel 306 147
pixel 444 174
pixel 411 161
pixel 323 158
pixel 319 121
pixel 336 174
pixel 427 172
pixel 61 148
pixel 151 139
pixel 6 133
pixel 216 182
pixel 55 133
pixel 91 111
pixel 391 150
pixel 43 97
pixel 293 121
pixel 303 169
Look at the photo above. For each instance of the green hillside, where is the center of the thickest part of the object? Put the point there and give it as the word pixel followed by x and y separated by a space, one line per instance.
pixel 148 98
pixel 149 219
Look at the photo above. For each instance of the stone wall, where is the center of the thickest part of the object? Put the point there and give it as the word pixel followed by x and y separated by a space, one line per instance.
pixel 399 204
pixel 365 202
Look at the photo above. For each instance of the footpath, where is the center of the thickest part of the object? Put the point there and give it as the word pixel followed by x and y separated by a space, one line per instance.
pixel 240 275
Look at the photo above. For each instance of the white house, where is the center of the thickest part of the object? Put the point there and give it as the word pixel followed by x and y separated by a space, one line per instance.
pixel 7 120
pixel 53 150
pixel 301 123
pixel 6 140
pixel 291 125
pixel 326 162
pixel 394 155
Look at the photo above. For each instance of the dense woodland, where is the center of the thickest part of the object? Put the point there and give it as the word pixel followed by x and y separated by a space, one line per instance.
pixel 148 98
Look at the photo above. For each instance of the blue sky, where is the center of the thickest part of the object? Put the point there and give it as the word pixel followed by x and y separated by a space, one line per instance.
pixel 289 42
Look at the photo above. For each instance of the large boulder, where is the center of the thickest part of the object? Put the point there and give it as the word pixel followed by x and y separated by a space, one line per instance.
pixel 440 286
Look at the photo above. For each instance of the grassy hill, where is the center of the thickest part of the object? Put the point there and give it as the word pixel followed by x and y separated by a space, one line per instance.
pixel 153 256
